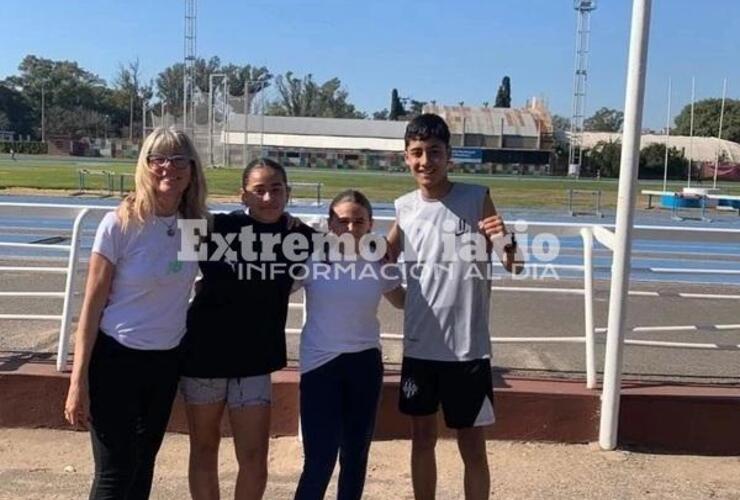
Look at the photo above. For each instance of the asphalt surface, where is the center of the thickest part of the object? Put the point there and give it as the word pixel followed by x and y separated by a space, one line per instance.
pixel 513 314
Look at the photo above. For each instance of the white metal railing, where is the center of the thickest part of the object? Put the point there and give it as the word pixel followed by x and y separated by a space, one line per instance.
pixel 602 234
pixel 605 236
pixel 78 215
pixel 587 233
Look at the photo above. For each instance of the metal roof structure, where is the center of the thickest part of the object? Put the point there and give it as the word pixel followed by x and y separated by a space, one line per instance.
pixel 703 148
pixel 487 121
pixel 332 127
pixel 372 135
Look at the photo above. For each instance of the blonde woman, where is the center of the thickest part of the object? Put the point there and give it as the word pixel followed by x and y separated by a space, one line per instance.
pixel 125 371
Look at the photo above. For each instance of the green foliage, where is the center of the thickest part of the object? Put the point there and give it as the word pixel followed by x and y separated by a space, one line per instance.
pixel 604 158
pixel 706 119
pixel 415 109
pixel 16 113
pixel 169 87
pixel 80 96
pixel 381 115
pixel 397 110
pixel 28 148
pixel 169 82
pixel 503 96
pixel 652 162
pixel 304 97
pixel 560 123
pixel 604 120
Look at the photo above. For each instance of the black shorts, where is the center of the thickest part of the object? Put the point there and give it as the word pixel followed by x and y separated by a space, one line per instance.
pixel 464 388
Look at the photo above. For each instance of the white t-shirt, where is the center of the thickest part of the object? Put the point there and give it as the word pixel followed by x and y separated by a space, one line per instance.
pixel 148 301
pixel 342 308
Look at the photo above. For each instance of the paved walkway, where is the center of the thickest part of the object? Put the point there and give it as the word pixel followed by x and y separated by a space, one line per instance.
pixel 44 464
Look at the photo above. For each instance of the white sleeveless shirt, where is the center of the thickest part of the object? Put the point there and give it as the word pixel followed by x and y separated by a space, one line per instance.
pixel 447 271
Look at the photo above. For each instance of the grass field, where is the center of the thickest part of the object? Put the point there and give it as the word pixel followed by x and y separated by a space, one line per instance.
pixel 508 191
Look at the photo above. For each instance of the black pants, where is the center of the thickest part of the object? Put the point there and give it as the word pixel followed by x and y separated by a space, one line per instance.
pixel 131 395
pixel 339 402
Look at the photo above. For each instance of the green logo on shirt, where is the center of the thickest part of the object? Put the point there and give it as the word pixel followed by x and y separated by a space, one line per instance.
pixel 175 266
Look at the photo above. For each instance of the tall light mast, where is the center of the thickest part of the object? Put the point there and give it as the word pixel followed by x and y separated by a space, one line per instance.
pixel 188 84
pixel 583 34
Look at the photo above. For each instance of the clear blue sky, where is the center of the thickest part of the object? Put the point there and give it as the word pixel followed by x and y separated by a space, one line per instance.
pixel 445 50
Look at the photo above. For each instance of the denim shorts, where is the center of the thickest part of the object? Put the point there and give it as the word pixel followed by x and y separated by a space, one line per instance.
pixel 236 392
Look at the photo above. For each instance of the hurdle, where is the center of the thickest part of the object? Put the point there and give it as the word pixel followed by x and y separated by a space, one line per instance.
pixel 595 200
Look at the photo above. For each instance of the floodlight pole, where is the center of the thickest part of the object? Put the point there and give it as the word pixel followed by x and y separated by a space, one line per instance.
pixel 227 124
pixel 246 118
pixel 691 131
pixel 667 137
pixel 143 120
pixel 262 84
pixel 210 114
pixel 719 134
pixel 43 111
pixel 262 118
pixel 633 107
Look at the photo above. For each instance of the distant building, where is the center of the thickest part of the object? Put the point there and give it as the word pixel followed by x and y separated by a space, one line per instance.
pixel 483 139
pixel 699 149
pixel 506 140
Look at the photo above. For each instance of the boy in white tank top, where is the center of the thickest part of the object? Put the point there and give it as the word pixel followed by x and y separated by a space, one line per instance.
pixel 445 231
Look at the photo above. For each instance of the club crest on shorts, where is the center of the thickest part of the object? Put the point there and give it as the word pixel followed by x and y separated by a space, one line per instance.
pixel 409 388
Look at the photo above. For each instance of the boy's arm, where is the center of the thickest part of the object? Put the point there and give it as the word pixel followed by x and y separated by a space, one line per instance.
pixel 394 243
pixel 397 297
pixel 492 225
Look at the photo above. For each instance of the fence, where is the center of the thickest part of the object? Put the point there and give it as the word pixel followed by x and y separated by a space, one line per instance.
pixel 215 115
pixel 588 233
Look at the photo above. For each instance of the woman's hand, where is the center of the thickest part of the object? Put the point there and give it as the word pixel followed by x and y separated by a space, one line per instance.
pixel 77 407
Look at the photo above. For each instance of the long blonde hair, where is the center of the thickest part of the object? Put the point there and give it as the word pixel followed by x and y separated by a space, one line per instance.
pixel 142 203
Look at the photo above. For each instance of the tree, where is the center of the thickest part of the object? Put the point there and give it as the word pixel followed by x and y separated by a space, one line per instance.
pixel 16 110
pixel 560 123
pixel 503 96
pixel 415 108
pixel 381 115
pixel 604 158
pixel 238 76
pixel 5 123
pixel 127 83
pixel 706 119
pixel 604 120
pixel 397 110
pixel 169 87
pixel 652 162
pixel 69 90
pixel 169 82
pixel 304 97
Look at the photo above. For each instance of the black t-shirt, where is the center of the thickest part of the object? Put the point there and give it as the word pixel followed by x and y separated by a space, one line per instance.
pixel 236 323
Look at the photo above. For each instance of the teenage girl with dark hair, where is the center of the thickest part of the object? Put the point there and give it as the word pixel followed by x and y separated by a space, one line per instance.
pixel 236 338
pixel 341 364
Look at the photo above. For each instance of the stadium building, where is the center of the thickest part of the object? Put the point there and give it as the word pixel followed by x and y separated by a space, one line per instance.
pixel 490 140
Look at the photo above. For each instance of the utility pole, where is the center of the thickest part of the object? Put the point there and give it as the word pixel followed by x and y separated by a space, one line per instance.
pixel 43 112
pixel 131 118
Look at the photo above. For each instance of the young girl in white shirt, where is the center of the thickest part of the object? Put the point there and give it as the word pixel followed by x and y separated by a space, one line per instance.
pixel 341 364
